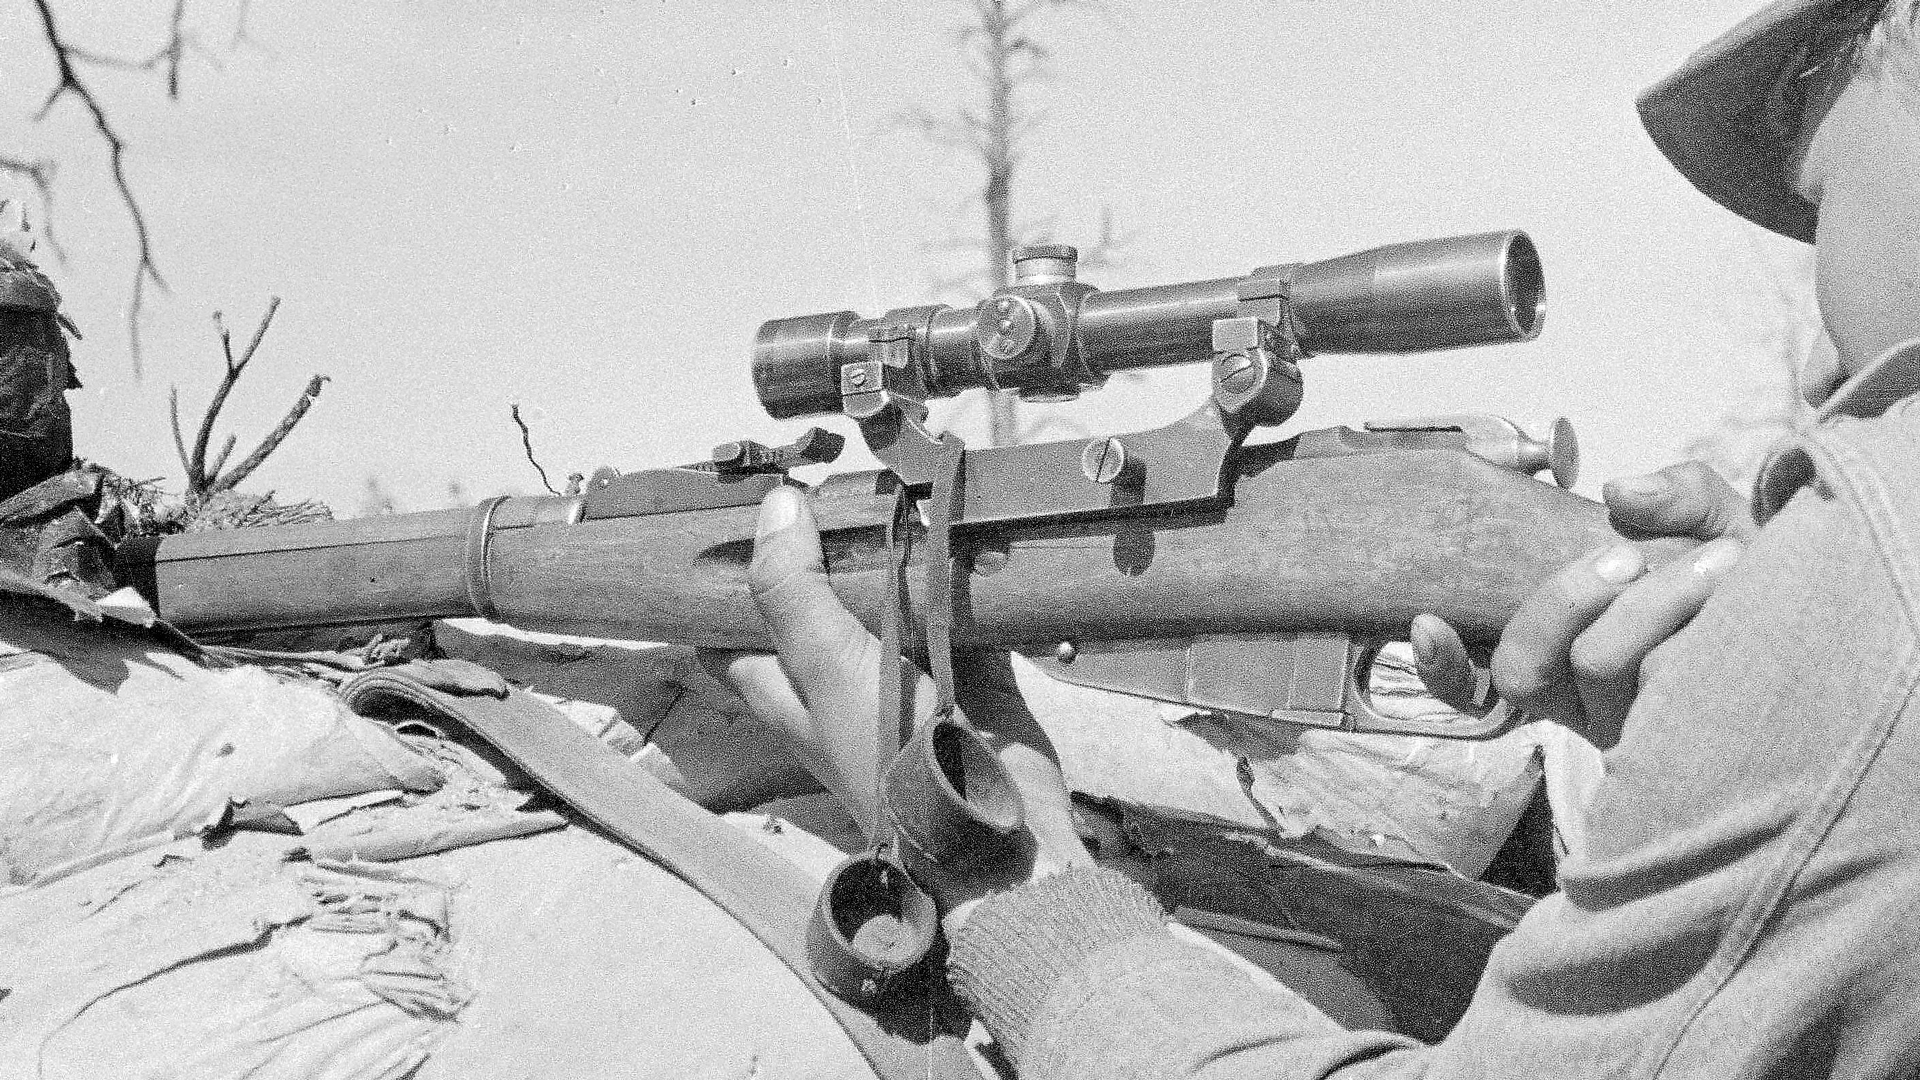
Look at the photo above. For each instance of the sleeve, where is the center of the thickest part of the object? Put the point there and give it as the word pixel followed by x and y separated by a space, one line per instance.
pixel 1077 975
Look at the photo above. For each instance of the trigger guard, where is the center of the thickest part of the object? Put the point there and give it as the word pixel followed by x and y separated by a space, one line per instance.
pixel 1496 718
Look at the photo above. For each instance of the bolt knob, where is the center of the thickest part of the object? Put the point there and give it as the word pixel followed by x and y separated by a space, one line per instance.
pixel 1559 453
pixel 1563 453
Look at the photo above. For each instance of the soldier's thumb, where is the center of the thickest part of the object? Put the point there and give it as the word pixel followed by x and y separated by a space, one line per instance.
pixel 822 646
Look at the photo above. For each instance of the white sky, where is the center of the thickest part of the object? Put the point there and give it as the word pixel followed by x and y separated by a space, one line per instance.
pixel 588 208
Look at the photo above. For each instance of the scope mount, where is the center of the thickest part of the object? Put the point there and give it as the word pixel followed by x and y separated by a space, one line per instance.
pixel 1026 339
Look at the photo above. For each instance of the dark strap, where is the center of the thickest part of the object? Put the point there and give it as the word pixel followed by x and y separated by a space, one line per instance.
pixel 897 674
pixel 942 507
pixel 764 892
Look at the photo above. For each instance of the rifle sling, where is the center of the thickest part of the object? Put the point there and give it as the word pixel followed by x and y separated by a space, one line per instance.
pixel 764 892
pixel 897 673
pixel 941 509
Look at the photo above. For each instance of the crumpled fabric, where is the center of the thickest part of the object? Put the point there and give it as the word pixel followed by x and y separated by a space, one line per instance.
pixel 111 743
pixel 226 964
pixel 388 929
pixel 48 534
pixel 1419 798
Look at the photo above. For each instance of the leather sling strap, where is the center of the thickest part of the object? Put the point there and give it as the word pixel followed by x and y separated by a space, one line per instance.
pixel 764 892
pixel 898 676
pixel 943 506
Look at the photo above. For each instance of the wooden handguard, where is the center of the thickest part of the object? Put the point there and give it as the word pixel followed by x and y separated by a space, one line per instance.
pixel 1360 543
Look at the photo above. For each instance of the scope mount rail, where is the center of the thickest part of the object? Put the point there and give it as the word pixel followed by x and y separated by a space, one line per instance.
pixel 1028 341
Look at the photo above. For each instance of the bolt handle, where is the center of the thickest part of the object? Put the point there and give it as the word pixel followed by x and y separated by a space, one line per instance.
pixel 817 446
pixel 1503 442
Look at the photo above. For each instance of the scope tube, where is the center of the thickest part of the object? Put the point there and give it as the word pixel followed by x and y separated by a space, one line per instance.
pixel 1445 293
pixel 1158 326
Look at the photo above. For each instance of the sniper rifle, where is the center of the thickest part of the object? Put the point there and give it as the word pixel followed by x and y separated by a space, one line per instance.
pixel 1180 563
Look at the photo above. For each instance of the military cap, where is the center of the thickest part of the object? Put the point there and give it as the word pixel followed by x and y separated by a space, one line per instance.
pixel 1729 118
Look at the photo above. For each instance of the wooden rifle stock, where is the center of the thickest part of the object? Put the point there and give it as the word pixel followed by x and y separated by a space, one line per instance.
pixel 1358 543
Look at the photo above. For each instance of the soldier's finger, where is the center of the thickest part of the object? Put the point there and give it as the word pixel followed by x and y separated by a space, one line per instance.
pixel 1606 657
pixel 1440 657
pixel 762 683
pixel 1532 668
pixel 830 657
pixel 841 762
pixel 1688 499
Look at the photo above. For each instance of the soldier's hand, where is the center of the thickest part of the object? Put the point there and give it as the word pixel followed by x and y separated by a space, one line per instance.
pixel 1577 650
pixel 821 691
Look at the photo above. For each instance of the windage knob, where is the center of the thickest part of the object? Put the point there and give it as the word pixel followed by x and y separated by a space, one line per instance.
pixel 1045 264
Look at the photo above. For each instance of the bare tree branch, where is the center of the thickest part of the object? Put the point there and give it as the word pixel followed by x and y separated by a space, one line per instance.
pixel 179 443
pixel 243 36
pixel 198 475
pixel 167 57
pixel 274 438
pixel 204 480
pixel 526 443
pixel 1003 57
pixel 220 459
pixel 176 47
pixel 68 82
pixel 168 60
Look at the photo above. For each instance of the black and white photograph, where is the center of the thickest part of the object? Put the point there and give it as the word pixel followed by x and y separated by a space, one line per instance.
pixel 959 540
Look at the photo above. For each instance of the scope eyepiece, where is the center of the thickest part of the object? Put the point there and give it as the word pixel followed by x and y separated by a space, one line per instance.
pixel 1421 296
pixel 1442 293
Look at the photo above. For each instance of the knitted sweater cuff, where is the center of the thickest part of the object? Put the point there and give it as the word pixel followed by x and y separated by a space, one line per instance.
pixel 1019 945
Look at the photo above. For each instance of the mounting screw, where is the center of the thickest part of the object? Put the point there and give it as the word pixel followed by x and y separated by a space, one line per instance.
pixel 1238 373
pixel 1106 461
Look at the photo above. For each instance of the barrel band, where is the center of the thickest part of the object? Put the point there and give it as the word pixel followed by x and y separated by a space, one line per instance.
pixel 479 541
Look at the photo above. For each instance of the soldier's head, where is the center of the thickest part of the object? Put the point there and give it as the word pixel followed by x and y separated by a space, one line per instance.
pixel 1805 119
pixel 36 430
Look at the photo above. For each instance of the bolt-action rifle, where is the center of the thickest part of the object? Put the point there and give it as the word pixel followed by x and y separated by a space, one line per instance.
pixel 1181 563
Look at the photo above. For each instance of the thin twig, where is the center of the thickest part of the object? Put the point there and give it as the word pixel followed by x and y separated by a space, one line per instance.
pixel 243 36
pixel 198 475
pixel 1003 59
pixel 179 444
pixel 204 480
pixel 273 305
pixel 220 460
pixel 168 55
pixel 68 82
pixel 273 440
pixel 526 442
pixel 176 47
